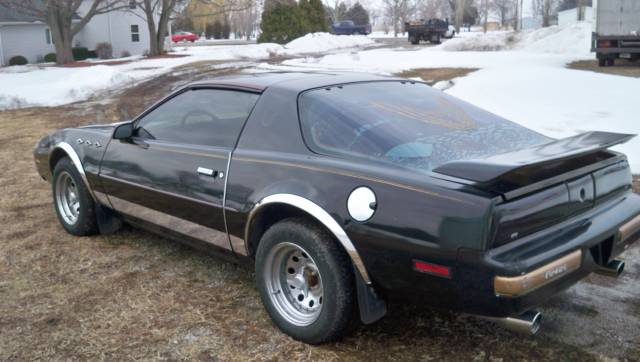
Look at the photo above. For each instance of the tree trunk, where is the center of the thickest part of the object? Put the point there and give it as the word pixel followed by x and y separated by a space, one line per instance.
pixel 153 39
pixel 516 16
pixel 546 16
pixel 459 14
pixel 61 34
pixel 486 15
pixel 163 27
pixel 580 10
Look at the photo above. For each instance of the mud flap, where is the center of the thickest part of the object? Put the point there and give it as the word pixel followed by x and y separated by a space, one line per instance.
pixel 371 305
pixel 108 221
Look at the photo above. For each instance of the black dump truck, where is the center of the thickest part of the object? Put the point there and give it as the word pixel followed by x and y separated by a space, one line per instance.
pixel 432 30
pixel 616 31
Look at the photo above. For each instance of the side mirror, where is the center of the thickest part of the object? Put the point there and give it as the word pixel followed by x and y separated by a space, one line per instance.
pixel 123 131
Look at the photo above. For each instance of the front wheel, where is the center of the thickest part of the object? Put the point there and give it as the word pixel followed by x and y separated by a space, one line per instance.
pixel 305 281
pixel 73 203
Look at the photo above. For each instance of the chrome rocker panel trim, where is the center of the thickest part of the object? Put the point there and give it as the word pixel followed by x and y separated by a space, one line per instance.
pixel 319 214
pixel 182 226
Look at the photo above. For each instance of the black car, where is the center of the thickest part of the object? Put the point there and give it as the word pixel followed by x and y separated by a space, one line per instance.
pixel 348 27
pixel 346 190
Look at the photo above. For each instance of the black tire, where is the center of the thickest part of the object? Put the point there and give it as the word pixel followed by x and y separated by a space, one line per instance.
pixel 86 223
pixel 611 62
pixel 336 275
pixel 436 39
pixel 602 62
pixel 413 40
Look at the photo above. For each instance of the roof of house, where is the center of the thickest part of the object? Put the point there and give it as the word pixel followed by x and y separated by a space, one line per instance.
pixel 11 15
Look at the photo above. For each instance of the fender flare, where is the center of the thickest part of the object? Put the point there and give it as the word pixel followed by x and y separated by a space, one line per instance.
pixel 75 159
pixel 321 216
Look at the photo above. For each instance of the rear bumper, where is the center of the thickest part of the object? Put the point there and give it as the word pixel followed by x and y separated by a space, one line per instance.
pixel 615 50
pixel 629 44
pixel 523 274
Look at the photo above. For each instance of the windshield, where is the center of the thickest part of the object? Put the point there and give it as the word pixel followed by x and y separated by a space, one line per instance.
pixel 406 124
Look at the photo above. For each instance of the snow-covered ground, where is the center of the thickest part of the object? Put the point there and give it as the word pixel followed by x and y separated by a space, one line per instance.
pixel 37 85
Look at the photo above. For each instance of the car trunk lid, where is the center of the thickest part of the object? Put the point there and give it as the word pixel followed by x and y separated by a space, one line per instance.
pixel 543 185
pixel 514 174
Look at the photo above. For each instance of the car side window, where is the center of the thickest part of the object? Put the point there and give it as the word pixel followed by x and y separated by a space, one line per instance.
pixel 206 117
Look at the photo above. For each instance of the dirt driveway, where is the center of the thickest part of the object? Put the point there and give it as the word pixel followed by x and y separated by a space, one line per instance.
pixel 134 295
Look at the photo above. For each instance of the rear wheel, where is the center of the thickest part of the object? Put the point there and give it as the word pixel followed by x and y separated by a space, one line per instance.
pixel 73 203
pixel 305 281
pixel 414 40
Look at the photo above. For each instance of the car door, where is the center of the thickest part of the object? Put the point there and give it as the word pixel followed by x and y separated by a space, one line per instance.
pixel 171 173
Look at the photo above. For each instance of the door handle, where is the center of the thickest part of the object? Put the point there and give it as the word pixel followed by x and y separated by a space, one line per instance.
pixel 209 172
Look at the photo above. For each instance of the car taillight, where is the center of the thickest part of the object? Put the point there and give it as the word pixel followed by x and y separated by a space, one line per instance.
pixel 604 44
pixel 433 269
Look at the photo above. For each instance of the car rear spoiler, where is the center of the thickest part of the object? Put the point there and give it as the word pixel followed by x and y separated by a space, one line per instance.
pixel 509 171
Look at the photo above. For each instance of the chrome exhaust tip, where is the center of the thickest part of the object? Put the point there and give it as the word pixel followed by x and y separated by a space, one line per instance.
pixel 613 269
pixel 528 322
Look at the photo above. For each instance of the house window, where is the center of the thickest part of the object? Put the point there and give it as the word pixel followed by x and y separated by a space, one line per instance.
pixel 47 36
pixel 132 4
pixel 135 33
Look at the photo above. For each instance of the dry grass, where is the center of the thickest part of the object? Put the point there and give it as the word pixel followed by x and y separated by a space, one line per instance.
pixel 622 67
pixel 134 295
pixel 435 75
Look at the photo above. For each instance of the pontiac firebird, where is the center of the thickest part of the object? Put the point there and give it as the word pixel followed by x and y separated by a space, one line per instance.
pixel 344 190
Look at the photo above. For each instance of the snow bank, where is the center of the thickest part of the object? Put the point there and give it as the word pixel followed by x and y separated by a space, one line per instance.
pixel 571 39
pixel 322 42
pixel 52 86
pixel 34 85
pixel 491 41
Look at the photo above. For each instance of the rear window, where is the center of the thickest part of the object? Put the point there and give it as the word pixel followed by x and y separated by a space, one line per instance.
pixel 406 124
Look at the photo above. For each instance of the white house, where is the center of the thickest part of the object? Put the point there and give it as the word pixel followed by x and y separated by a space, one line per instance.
pixel 21 34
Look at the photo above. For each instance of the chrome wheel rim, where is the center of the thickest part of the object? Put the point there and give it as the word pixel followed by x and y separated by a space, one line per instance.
pixel 67 199
pixel 294 284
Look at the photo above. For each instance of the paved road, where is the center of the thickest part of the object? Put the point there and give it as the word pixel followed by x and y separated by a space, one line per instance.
pixel 400 41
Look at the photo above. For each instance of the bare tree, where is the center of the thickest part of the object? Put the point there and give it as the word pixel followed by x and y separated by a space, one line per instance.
pixel 503 8
pixel 63 18
pixel 457 6
pixel 247 18
pixel 485 14
pixel 544 8
pixel 517 24
pixel 158 13
pixel 429 9
pixel 398 12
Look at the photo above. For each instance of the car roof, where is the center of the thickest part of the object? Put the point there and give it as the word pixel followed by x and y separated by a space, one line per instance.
pixel 294 81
